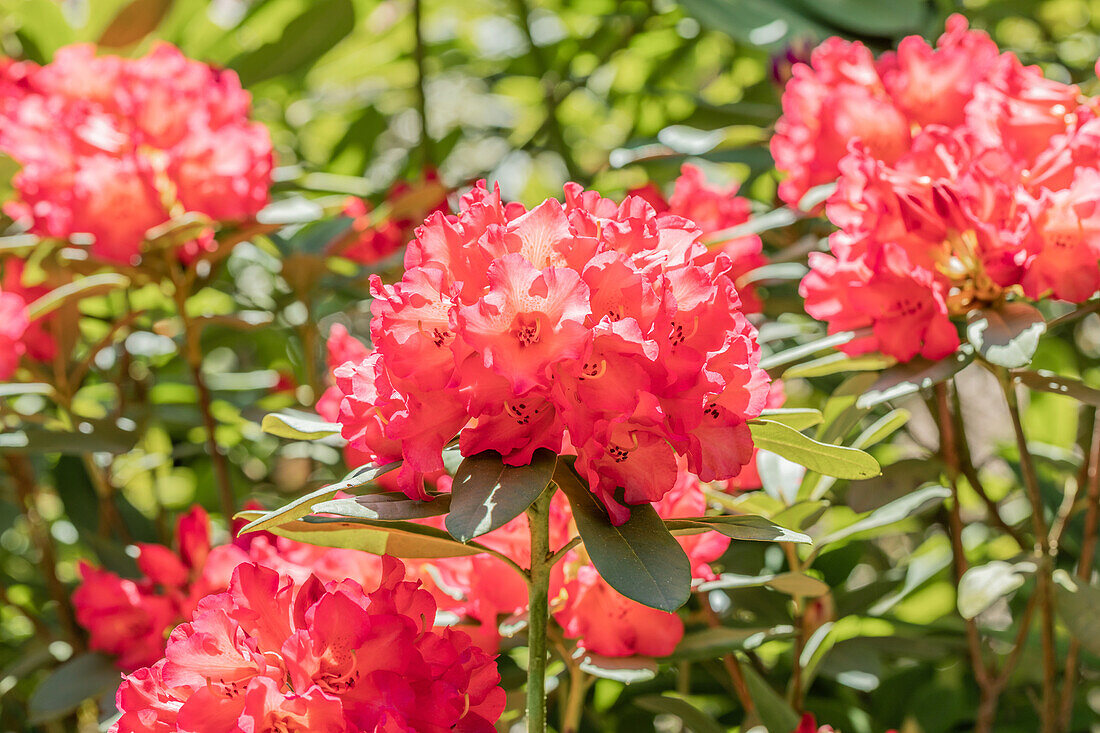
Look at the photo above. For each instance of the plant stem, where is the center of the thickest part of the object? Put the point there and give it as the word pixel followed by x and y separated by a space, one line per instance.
pixel 1044 585
pixel 730 662
pixel 1084 565
pixel 949 451
pixel 574 704
pixel 538 614
pixel 794 691
pixel 192 353
pixel 421 90
pixel 22 475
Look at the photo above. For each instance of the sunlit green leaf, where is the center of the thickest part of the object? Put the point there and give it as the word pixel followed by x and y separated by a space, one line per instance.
pixel 825 458
pixel 487 494
pixel 1006 336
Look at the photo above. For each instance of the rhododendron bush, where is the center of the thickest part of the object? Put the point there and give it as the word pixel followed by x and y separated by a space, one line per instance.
pixel 710 366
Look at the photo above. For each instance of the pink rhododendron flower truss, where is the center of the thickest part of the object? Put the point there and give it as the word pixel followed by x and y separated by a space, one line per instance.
pixel 14 325
pixel 154 137
pixel 129 618
pixel 589 326
pixel 482 591
pixel 994 197
pixel 714 209
pixel 276 653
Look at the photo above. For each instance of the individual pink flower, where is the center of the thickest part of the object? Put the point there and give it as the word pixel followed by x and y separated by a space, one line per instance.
pixel 154 136
pixel 1064 240
pixel 589 324
pixel 273 653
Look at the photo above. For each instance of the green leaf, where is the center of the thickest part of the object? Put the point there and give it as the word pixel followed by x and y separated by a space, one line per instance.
pixel 82 677
pixel 1007 336
pixel 763 23
pixel 487 494
pixel 744 527
pixel 773 710
pixel 825 458
pixel 789 583
pixel 385 507
pixel 721 640
pixel 881 429
pixel 84 287
pixel 304 40
pixel 620 669
pixel 910 378
pixel 888 514
pixel 1046 381
pixel 90 436
pixel 775 219
pixel 133 22
pixel 298 426
pixel 839 363
pixel 302 506
pixel 692 717
pixel 400 539
pixel 1078 606
pixel 14 389
pixel 797 353
pixel 983 585
pixel 869 17
pixel 798 418
pixel 639 558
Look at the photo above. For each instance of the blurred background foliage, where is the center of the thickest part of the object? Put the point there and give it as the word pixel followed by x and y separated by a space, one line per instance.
pixel 528 93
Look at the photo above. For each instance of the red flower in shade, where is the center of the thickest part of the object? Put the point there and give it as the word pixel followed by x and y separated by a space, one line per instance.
pixel 154 137
pixel 13 330
pixel 130 618
pixel 373 241
pixel 272 653
pixel 599 326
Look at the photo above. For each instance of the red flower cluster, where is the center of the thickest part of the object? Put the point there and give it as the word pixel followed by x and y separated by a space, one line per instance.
pixel 585 326
pixel 272 653
pixel 714 209
pixel 152 137
pixel 964 177
pixel 130 618
pixel 482 590
pixel 14 327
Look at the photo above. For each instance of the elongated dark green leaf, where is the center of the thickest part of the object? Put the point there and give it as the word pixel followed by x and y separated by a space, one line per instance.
pixel 1006 336
pixel 798 418
pixel 91 436
pixel 639 558
pixel 1078 606
pixel 400 539
pixel 763 23
pixel 304 40
pixel 774 712
pixel 881 429
pixel 303 506
pixel 486 494
pixel 888 514
pixel 869 17
pixel 745 527
pixel 82 677
pixel 825 458
pixel 1046 381
pixel 797 353
pixel 390 506
pixel 84 287
pixel 789 583
pixel 692 717
pixel 298 426
pixel 839 363
pixel 910 378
